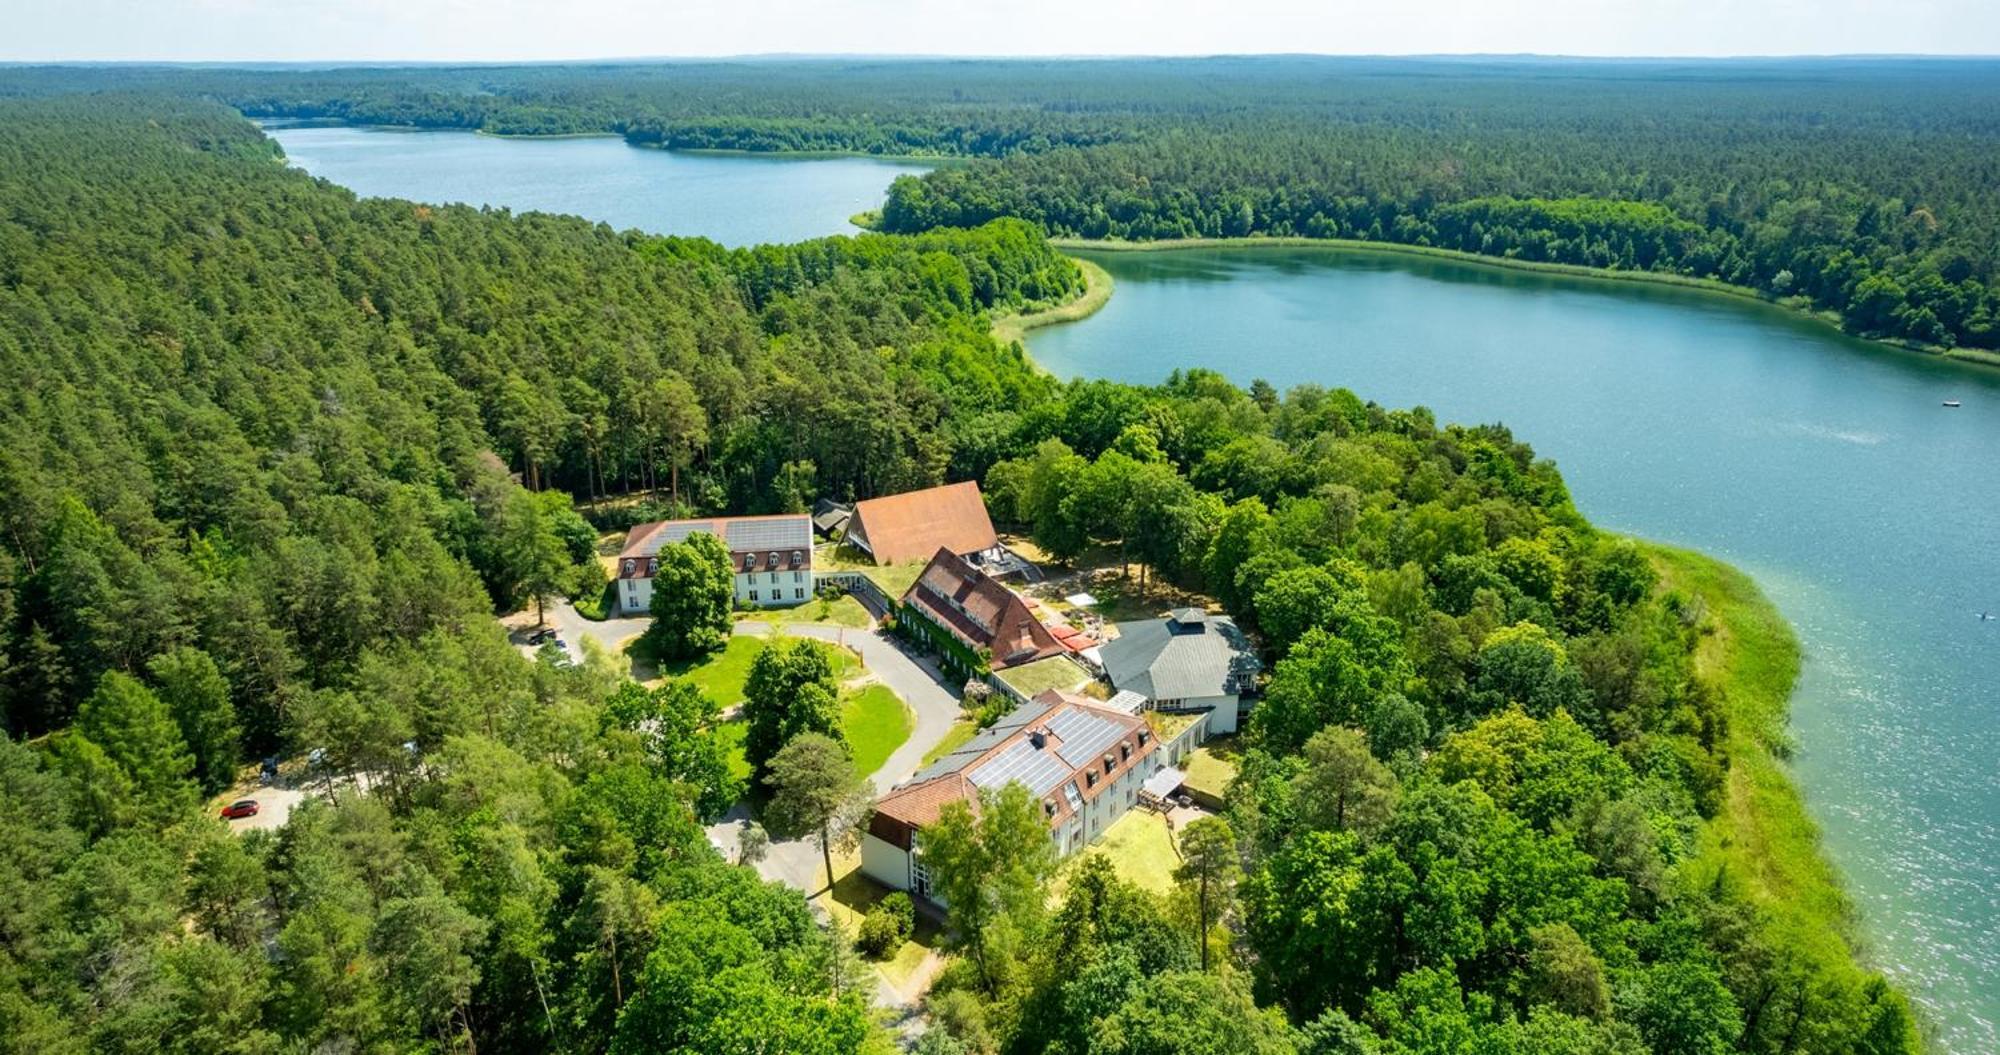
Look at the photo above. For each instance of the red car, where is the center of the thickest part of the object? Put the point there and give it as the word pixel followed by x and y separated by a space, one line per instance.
pixel 240 808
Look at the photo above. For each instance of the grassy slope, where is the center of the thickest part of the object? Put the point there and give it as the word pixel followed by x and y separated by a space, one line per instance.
pixel 1763 835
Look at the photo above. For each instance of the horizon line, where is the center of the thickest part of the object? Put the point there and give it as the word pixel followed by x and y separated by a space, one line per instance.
pixel 783 56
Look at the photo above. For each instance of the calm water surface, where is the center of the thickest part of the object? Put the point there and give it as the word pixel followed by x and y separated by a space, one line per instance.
pixel 736 199
pixel 1824 466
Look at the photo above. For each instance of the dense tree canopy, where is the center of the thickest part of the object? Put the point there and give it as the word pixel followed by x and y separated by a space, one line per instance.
pixel 275 456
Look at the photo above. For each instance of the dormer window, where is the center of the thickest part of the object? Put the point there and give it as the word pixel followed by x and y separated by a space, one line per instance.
pixel 798 557
pixel 1125 750
pixel 630 565
pixel 774 558
pixel 1109 763
pixel 652 566
pixel 749 562
pixel 1143 737
pixel 1090 780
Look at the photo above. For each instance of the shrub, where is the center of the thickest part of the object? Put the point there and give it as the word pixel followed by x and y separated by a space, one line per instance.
pixel 880 934
pixel 899 905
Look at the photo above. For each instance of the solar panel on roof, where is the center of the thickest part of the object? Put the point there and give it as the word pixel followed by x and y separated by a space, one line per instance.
pixel 1038 768
pixel 769 534
pixel 1084 736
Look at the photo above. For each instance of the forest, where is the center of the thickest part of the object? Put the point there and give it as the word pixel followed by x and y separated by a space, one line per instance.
pixel 275 456
pixel 1862 188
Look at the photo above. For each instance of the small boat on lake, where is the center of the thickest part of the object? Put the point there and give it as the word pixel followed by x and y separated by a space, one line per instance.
pixel 1951 402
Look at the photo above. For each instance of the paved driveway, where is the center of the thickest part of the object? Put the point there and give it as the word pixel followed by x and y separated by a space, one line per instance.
pixel 934 705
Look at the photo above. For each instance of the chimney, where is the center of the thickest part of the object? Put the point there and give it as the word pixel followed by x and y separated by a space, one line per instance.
pixel 1038 739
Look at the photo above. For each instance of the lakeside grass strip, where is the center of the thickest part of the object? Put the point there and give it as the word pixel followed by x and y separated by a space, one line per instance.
pixel 1763 837
pixel 1097 287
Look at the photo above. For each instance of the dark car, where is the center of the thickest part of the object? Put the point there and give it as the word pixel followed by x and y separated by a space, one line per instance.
pixel 240 808
pixel 547 633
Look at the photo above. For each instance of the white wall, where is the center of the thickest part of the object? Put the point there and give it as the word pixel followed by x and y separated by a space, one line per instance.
pixel 775 589
pixel 884 863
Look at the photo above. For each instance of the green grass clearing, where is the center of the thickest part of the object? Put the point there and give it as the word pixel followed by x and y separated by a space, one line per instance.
pixel 843 611
pixel 873 719
pixel 875 723
pixel 723 674
pixel 1212 766
pixel 1141 848
pixel 894 579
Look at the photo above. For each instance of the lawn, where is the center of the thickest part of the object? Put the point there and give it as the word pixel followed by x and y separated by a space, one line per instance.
pixel 875 723
pixel 1212 766
pixel 730 736
pixel 1141 846
pixel 723 674
pixel 843 611
pixel 873 719
pixel 1055 672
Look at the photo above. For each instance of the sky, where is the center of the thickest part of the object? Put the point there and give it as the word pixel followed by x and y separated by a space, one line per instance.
pixel 518 30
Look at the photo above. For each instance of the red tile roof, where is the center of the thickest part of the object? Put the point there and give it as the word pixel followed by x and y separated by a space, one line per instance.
pixel 911 525
pixel 980 611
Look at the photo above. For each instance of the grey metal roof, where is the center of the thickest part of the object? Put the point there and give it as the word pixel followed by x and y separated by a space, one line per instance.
pixel 789 533
pixel 1177 659
pixel 740 536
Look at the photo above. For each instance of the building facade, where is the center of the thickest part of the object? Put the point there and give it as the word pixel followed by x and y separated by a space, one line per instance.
pixel 971 619
pixel 772 557
pixel 1086 762
pixel 1189 661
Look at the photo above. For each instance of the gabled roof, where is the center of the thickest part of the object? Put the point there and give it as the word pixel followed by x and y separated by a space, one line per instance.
pixel 1188 655
pixel 1050 745
pixel 759 537
pixel 904 527
pixel 980 611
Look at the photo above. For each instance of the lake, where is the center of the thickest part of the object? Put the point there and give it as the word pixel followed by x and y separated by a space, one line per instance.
pixel 736 199
pixel 1825 466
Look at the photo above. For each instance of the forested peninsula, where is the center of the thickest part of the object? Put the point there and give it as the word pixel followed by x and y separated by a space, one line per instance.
pixel 1866 189
pixel 273 457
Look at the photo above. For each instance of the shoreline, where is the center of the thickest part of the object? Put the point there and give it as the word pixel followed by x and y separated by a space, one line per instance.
pixel 1763 836
pixel 1012 328
pixel 1980 357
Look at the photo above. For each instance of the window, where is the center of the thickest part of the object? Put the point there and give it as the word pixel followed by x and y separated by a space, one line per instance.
pixel 798 557
pixel 749 562
pixel 1124 750
pixel 1090 780
pixel 798 593
pixel 798 576
pixel 774 561
pixel 753 595
pixel 652 566
pixel 630 564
